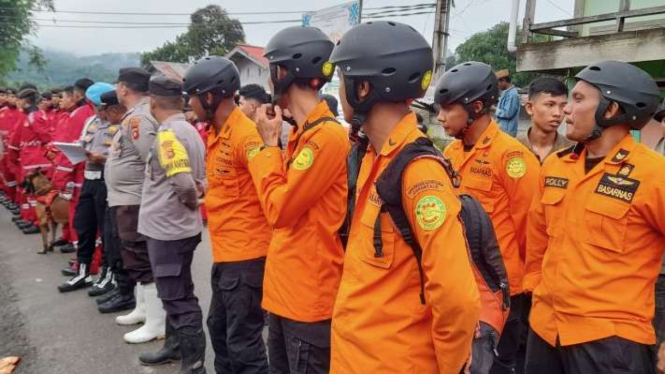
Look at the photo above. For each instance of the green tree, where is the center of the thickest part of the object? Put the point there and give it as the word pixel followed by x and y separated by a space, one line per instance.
pixel 16 26
pixel 211 31
pixel 490 47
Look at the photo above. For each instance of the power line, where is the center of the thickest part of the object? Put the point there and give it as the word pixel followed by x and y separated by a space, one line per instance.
pixel 561 9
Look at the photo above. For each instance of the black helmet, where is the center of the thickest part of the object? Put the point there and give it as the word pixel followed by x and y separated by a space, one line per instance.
pixel 392 56
pixel 629 86
pixel 304 52
pixel 466 83
pixel 214 74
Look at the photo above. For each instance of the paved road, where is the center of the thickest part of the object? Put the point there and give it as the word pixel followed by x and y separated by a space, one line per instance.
pixel 63 333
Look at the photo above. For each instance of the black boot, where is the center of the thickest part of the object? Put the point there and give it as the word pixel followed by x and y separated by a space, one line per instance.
pixel 16 219
pixel 193 350
pixel 22 223
pixel 107 296
pixel 60 242
pixel 30 230
pixel 104 284
pixel 169 353
pixel 68 248
pixel 118 303
pixel 81 280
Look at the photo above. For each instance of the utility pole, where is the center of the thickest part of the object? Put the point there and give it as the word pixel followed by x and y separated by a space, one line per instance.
pixel 360 11
pixel 440 41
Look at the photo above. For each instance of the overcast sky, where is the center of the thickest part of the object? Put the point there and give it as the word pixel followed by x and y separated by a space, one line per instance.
pixel 469 16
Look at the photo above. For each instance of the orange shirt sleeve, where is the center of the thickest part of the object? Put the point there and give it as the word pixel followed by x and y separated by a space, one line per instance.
pixel 287 194
pixel 536 241
pixel 520 180
pixel 432 209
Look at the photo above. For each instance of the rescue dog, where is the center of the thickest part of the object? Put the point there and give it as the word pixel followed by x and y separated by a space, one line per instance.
pixel 51 210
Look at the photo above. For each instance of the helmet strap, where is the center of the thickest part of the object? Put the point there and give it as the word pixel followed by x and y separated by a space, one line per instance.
pixel 210 109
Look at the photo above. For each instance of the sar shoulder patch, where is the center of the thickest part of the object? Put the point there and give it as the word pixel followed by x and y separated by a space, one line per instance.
pixel 430 212
pixel 172 154
pixel 304 160
pixel 516 167
pixel 252 152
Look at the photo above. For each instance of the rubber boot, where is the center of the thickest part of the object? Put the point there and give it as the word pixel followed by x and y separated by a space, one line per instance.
pixel 193 350
pixel 137 315
pixel 169 353
pixel 81 280
pixel 155 319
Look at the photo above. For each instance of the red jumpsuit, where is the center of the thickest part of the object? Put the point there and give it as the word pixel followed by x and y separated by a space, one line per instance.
pixel 69 130
pixel 9 117
pixel 30 137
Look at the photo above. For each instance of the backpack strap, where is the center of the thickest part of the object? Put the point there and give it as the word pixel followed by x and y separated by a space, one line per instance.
pixel 353 170
pixel 308 126
pixel 389 188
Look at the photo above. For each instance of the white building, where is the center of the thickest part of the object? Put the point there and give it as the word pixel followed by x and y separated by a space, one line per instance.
pixel 252 65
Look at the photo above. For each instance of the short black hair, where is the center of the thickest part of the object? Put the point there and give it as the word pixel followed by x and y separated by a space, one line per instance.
pixel 507 78
pixel 69 90
pixel 548 85
pixel 254 92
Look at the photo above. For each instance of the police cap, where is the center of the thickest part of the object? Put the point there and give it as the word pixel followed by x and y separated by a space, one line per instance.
pixel 109 98
pixel 161 85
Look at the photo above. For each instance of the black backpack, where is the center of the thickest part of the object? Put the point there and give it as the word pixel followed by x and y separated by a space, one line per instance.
pixel 488 266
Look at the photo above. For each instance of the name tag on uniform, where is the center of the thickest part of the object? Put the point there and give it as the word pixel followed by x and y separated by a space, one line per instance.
pixel 92 175
pixel 556 182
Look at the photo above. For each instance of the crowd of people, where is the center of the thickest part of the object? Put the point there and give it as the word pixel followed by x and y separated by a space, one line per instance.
pixel 362 246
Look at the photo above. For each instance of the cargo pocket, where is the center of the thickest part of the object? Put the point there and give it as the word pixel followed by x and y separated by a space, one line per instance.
pixel 300 350
pixel 550 199
pixel 171 286
pixel 481 190
pixel 606 221
pixel 382 257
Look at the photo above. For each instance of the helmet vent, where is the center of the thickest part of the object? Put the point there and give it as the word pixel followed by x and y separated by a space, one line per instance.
pixel 640 105
pixel 392 23
pixel 220 81
pixel 370 22
pixel 414 77
pixel 316 60
pixel 467 64
pixel 443 91
pixel 388 71
pixel 594 68
pixel 454 71
pixel 297 56
pixel 489 87
pixel 233 80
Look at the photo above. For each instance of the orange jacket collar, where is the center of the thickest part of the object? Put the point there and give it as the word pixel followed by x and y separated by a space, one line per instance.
pixel 485 139
pixel 225 131
pixel 621 152
pixel 400 133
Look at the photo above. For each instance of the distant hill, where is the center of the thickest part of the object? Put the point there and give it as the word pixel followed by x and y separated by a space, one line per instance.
pixel 63 68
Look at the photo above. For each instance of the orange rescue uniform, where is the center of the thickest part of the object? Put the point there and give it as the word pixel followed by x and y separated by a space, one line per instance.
pixel 304 199
pixel 380 324
pixel 595 245
pixel 238 228
pixel 502 174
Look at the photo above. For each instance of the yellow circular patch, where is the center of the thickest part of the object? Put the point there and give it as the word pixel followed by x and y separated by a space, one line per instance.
pixel 427 79
pixel 327 68
pixel 516 167
pixel 252 152
pixel 430 213
pixel 304 160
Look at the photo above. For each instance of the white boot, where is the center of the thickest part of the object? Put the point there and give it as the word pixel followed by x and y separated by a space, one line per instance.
pixel 155 319
pixel 138 314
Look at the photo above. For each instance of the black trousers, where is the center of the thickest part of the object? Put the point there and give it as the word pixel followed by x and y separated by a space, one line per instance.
pixel 484 346
pixel 235 320
pixel 172 266
pixel 298 347
pixel 133 246
pixel 509 343
pixel 89 218
pixel 613 355
pixel 113 256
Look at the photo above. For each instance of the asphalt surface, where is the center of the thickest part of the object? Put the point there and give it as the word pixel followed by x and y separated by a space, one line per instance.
pixel 57 333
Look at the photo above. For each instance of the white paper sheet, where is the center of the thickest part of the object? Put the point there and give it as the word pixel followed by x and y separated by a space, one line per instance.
pixel 74 151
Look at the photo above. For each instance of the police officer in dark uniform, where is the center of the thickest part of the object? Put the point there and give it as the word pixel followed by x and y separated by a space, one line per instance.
pixel 170 218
